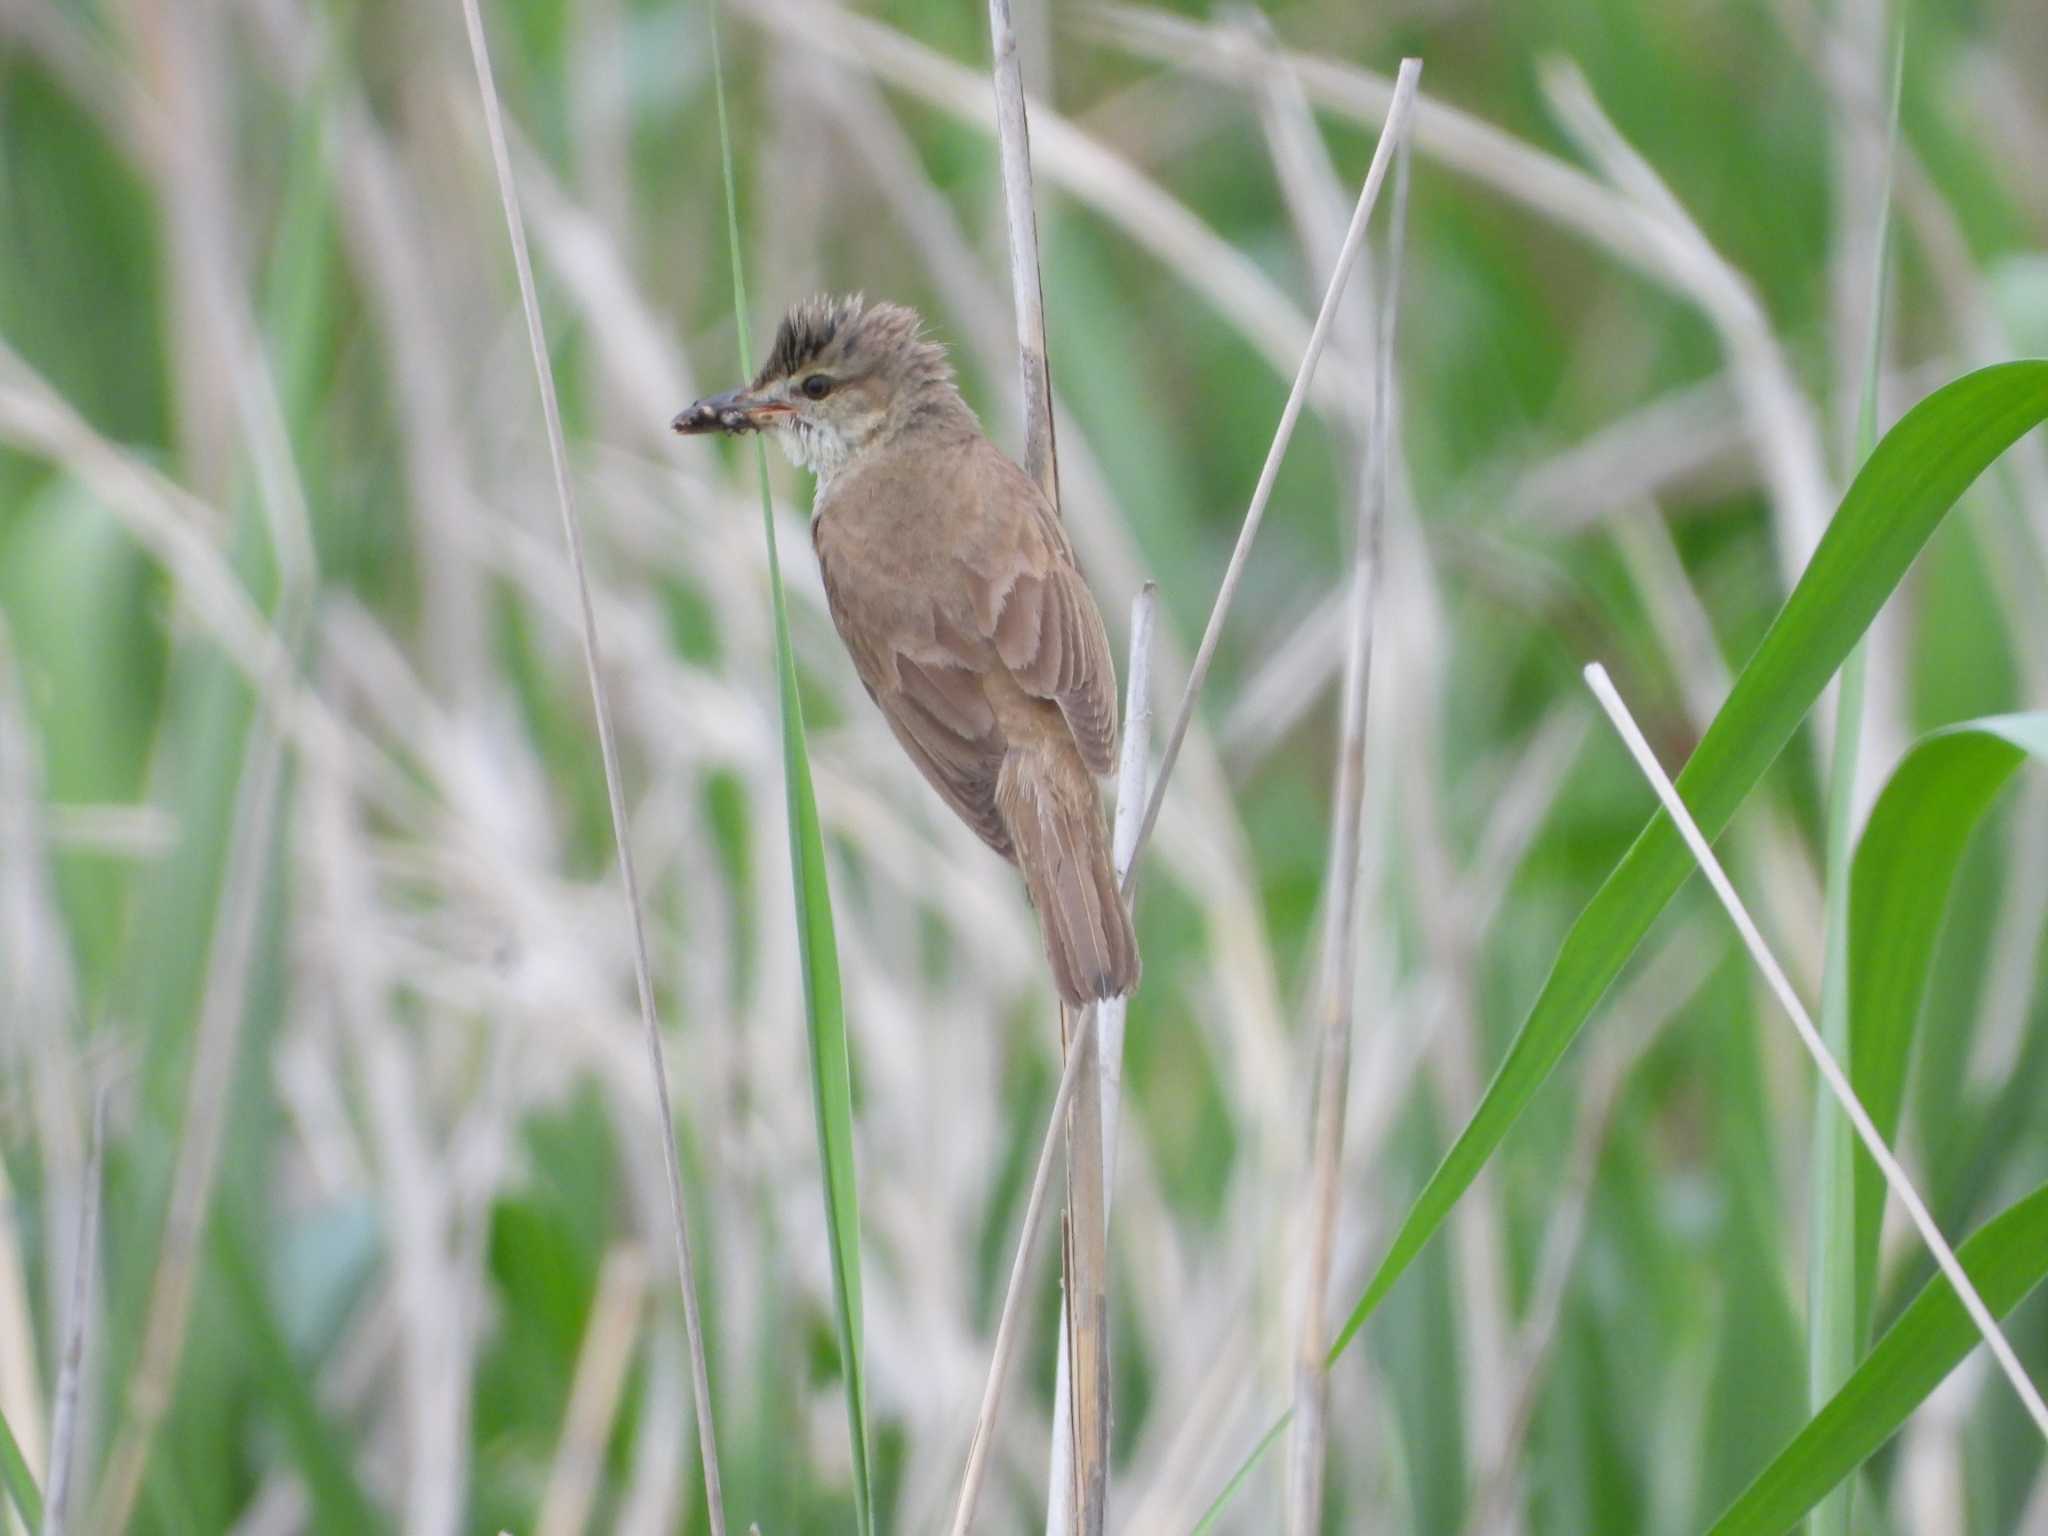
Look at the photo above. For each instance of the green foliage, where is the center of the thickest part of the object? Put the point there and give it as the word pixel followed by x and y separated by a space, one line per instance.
pixel 440 866
pixel 20 1482
pixel 1908 485
pixel 2005 1260
pixel 817 947
pixel 1906 862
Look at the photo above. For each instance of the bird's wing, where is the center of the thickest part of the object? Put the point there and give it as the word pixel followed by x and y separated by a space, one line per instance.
pixel 1046 627
pixel 936 710
pixel 943 719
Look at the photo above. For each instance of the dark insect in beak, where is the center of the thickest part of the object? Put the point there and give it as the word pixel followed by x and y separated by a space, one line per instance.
pixel 733 412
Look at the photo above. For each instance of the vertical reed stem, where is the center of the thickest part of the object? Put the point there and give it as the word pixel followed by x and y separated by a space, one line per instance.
pixel 1310 1444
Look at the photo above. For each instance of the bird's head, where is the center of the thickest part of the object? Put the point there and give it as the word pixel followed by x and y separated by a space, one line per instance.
pixel 844 377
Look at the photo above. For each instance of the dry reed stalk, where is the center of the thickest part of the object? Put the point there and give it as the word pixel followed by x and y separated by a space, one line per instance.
pixel 1172 1497
pixel 1209 848
pixel 1354 239
pixel 178 531
pixel 1020 215
pixel 1643 227
pixel 1086 1248
pixel 64 1414
pixel 1088 171
pixel 1831 1073
pixel 572 535
pixel 2016 565
pixel 2035 1517
pixel 1087 1042
pixel 594 1393
pixel 1789 890
pixel 1114 561
pixel 1086 1310
pixel 1130 791
pixel 1779 416
pixel 1310 1444
pixel 1455 139
pixel 1672 440
pixel 38 1001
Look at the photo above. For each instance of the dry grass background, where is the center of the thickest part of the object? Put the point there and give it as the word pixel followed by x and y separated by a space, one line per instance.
pixel 304 856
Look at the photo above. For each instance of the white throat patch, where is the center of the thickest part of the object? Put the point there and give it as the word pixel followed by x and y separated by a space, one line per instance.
pixel 809 446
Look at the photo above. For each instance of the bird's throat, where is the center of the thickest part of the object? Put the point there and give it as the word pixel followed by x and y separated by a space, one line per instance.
pixel 814 446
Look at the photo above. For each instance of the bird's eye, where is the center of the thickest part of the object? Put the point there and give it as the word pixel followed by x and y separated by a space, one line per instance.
pixel 817 386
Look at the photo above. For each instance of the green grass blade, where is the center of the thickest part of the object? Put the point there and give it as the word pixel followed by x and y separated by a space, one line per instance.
pixel 1832 1332
pixel 318 1446
pixel 817 947
pixel 1832 1335
pixel 1238 1478
pixel 1905 865
pixel 1905 489
pixel 1908 484
pixel 2005 1260
pixel 20 1482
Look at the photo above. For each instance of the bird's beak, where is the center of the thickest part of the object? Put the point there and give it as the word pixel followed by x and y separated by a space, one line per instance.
pixel 735 411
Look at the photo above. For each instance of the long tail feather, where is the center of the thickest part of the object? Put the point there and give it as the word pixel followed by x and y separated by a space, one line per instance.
pixel 1048 803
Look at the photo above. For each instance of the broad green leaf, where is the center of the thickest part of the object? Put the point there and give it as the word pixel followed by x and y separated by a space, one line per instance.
pixel 1905 864
pixel 1832 1334
pixel 2005 1259
pixel 817 948
pixel 1907 485
pixel 1904 490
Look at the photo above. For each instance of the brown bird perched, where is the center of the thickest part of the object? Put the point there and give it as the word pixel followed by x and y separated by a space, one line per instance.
pixel 954 587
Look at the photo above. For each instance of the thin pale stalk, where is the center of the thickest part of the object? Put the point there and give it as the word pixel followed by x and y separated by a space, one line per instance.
pixel 64 1418
pixel 1354 239
pixel 1778 414
pixel 1086 1262
pixel 1458 141
pixel 595 1391
pixel 1130 792
pixel 1086 1273
pixel 1020 215
pixel 1309 1445
pixel 1123 843
pixel 1831 1073
pixel 572 535
pixel 1086 1043
pixel 1132 202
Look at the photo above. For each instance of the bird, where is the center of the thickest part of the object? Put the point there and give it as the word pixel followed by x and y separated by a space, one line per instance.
pixel 952 582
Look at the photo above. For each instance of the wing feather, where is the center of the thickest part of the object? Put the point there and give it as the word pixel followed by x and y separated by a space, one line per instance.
pixel 937 712
pixel 963 770
pixel 1051 637
pixel 1004 593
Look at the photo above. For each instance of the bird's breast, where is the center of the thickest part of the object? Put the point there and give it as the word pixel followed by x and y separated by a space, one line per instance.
pixel 901 544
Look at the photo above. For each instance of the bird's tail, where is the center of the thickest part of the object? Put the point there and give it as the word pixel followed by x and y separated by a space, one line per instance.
pixel 1049 805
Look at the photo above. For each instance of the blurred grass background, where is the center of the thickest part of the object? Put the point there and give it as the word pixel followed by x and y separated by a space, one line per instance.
pixel 303 846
